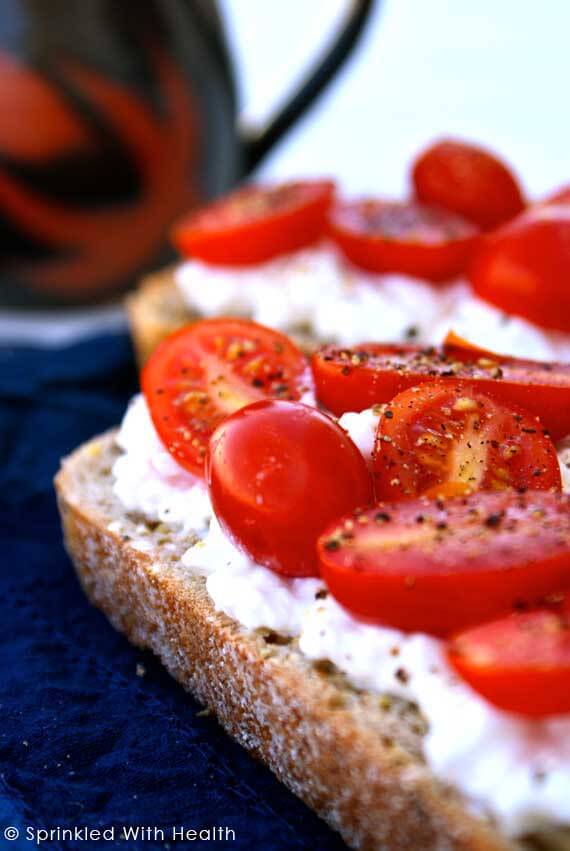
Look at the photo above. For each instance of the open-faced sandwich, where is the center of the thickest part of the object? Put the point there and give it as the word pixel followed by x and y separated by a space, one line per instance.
pixel 375 605
pixel 322 269
pixel 360 561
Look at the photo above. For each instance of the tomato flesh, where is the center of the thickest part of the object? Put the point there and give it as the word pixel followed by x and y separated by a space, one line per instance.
pixel 442 566
pixel 278 473
pixel 524 267
pixel 468 181
pixel 441 441
pixel 373 373
pixel 208 370
pixel 520 664
pixel 256 223
pixel 409 238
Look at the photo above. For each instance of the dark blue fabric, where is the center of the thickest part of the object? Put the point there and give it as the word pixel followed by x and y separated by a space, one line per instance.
pixel 84 741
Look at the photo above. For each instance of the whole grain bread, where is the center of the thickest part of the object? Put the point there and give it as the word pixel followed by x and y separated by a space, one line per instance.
pixel 156 309
pixel 354 757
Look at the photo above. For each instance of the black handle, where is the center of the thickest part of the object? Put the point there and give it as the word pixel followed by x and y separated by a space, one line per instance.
pixel 258 143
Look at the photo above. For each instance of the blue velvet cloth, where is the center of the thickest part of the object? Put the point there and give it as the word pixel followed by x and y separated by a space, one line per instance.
pixel 84 741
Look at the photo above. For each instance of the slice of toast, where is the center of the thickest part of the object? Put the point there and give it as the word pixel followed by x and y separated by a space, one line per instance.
pixel 353 756
pixel 156 309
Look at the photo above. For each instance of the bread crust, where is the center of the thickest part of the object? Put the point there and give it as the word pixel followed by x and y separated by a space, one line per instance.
pixel 354 764
pixel 156 309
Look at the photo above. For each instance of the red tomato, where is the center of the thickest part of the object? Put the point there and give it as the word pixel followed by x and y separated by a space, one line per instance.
pixel 278 473
pixel 440 566
pixel 202 373
pixel 373 373
pixel 442 440
pixel 524 267
pixel 468 181
pixel 520 663
pixel 409 238
pixel 256 223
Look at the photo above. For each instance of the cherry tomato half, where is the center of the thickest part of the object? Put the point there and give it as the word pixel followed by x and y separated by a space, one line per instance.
pixel 210 369
pixel 373 373
pixel 524 267
pixel 442 566
pixel 256 223
pixel 468 181
pixel 520 664
pixel 439 440
pixel 409 238
pixel 278 473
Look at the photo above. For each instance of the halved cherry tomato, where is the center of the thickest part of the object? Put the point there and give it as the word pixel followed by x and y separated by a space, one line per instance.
pixel 256 223
pixel 520 663
pixel 278 473
pixel 373 373
pixel 464 350
pixel 409 238
pixel 439 440
pixel 469 181
pixel 524 267
pixel 202 373
pixel 441 566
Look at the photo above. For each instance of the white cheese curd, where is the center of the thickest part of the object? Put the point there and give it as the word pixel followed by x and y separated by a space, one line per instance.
pixel 148 480
pixel 316 288
pixel 246 591
pixel 517 770
pixel 514 769
pixel 313 288
pixel 361 429
pixel 481 323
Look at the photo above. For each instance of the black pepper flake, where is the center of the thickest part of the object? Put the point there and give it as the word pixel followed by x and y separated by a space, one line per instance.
pixel 388 414
pixel 257 382
pixel 332 544
pixel 402 676
pixel 494 520
pixel 382 517
pixel 345 370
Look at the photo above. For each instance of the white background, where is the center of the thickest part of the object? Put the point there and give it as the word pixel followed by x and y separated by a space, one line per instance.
pixel 495 71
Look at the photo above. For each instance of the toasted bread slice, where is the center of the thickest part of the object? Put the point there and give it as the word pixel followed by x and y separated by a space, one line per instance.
pixel 157 308
pixel 354 757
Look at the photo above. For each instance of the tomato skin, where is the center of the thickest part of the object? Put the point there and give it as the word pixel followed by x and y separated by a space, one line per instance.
pixel 278 473
pixel 469 181
pixel 439 440
pixel 524 267
pixel 406 238
pixel 207 370
pixel 255 223
pixel 520 664
pixel 373 373
pixel 438 567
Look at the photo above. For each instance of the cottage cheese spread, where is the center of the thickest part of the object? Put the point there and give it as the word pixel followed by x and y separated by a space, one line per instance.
pixel 514 769
pixel 316 289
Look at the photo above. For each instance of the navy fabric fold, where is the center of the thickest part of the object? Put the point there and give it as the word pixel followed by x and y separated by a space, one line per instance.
pixel 94 733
